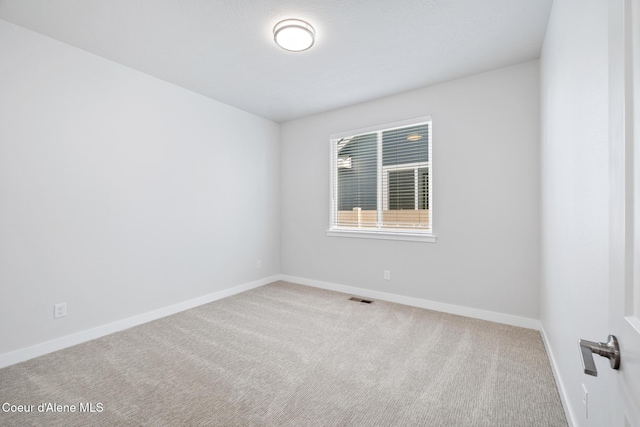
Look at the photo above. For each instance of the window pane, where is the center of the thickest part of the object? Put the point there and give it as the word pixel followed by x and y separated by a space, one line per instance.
pixel 401 190
pixel 405 145
pixel 380 179
pixel 357 181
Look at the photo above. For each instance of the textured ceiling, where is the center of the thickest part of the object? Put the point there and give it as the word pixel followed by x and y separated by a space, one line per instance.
pixel 365 49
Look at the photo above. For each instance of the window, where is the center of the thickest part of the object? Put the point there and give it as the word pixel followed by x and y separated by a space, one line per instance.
pixel 381 182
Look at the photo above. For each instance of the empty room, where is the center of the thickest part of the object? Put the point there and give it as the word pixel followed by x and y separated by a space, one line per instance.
pixel 319 213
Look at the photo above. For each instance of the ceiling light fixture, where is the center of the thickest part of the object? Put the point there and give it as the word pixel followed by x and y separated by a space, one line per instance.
pixel 414 137
pixel 294 35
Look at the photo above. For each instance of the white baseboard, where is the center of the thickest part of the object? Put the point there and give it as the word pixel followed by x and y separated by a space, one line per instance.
pixel 571 419
pixel 492 316
pixel 27 353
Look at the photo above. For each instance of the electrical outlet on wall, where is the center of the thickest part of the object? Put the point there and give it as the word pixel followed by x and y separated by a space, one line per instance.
pixel 387 275
pixel 59 310
pixel 258 264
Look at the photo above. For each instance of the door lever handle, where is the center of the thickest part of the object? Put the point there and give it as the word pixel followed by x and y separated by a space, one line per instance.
pixel 610 350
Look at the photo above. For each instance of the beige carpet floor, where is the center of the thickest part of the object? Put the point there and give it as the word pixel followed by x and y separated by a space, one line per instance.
pixel 290 355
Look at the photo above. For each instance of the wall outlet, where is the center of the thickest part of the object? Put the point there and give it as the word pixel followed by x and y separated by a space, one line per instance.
pixel 59 310
pixel 387 275
pixel 585 401
pixel 259 264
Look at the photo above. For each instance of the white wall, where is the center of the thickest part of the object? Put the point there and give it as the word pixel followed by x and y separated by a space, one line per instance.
pixel 486 197
pixel 575 197
pixel 121 193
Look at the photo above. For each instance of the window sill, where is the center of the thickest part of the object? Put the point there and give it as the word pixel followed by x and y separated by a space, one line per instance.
pixel 383 235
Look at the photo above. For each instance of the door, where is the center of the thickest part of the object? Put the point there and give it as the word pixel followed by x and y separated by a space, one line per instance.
pixel 624 163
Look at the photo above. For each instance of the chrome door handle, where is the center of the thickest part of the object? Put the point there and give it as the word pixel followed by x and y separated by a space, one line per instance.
pixel 610 350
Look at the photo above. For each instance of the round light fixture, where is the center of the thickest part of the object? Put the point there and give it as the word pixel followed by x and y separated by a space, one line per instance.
pixel 414 137
pixel 294 35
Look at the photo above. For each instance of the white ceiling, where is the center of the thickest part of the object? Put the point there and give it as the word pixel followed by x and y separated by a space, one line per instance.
pixel 365 49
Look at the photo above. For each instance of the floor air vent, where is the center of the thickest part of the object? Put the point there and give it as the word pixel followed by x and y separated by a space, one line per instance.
pixel 365 301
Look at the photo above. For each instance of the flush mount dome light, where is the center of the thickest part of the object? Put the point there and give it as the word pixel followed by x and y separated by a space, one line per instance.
pixel 294 35
pixel 414 137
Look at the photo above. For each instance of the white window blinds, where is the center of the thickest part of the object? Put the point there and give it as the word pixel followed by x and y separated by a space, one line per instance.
pixel 381 179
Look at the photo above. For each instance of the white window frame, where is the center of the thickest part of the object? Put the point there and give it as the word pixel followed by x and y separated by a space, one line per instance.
pixel 382 184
